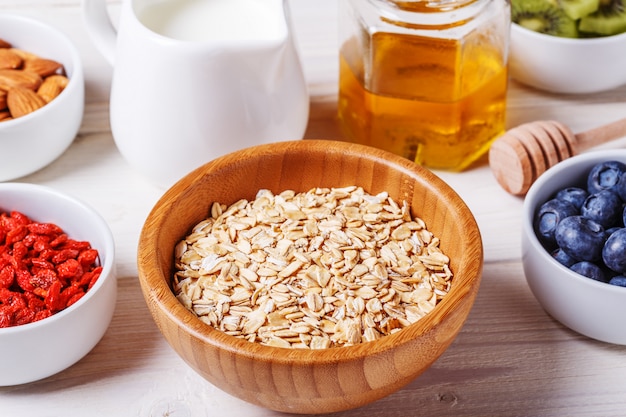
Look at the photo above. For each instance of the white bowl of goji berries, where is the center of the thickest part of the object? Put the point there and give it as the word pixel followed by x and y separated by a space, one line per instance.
pixel 57 281
pixel 41 95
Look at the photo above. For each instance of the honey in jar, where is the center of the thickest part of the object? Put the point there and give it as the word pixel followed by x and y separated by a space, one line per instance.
pixel 424 79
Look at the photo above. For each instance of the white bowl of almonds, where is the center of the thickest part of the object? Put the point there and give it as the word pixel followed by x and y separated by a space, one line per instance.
pixel 310 276
pixel 41 95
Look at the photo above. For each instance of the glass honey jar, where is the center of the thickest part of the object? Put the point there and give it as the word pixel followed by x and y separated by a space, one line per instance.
pixel 424 79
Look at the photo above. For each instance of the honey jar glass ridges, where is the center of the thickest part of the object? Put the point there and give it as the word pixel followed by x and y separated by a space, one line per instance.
pixel 424 79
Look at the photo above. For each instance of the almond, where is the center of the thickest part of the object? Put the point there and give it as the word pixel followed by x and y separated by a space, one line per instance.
pixel 14 78
pixel 21 101
pixel 42 66
pixel 27 81
pixel 52 86
pixel 24 54
pixel 9 59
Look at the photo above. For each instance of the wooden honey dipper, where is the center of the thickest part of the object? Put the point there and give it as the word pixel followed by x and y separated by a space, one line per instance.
pixel 522 154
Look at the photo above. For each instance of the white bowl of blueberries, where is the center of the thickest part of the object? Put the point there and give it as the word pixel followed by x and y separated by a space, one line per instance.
pixel 574 243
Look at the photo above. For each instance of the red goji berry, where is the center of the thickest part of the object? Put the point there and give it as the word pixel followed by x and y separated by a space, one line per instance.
pixel 71 290
pixel 29 240
pixel 20 251
pixel 59 240
pixel 23 316
pixel 5 296
pixel 12 298
pixel 53 299
pixel 23 278
pixel 20 218
pixel 7 276
pixel 41 243
pixel 63 255
pixel 85 279
pixel 96 274
pixel 48 229
pixel 34 302
pixel 8 223
pixel 88 257
pixel 76 245
pixel 5 259
pixel 43 278
pixel 41 263
pixel 19 301
pixel 40 315
pixel 74 298
pixel 40 292
pixel 6 316
pixel 47 254
pixel 16 234
pixel 89 278
pixel 72 294
pixel 70 269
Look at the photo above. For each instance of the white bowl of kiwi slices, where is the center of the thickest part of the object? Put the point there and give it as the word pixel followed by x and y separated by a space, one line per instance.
pixel 568 46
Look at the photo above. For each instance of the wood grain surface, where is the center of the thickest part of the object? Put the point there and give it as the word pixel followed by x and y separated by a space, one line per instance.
pixel 510 358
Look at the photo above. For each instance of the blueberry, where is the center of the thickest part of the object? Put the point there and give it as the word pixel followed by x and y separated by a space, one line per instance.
pixel 580 238
pixel 620 187
pixel 604 175
pixel 603 207
pixel 618 280
pixel 563 258
pixel 614 251
pixel 608 232
pixel 589 269
pixel 548 217
pixel 574 195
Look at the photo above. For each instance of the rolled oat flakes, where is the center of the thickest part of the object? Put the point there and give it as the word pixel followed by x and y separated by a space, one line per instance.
pixel 326 268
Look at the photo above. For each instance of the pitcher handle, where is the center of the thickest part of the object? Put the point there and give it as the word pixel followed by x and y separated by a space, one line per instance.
pixel 100 27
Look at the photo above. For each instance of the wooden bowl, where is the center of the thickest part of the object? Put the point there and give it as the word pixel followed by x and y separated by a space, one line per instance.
pixel 300 380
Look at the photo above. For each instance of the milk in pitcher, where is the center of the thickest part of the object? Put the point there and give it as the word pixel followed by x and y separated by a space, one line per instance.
pixel 203 20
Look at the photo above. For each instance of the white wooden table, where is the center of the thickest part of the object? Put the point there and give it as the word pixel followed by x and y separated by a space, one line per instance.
pixel 510 358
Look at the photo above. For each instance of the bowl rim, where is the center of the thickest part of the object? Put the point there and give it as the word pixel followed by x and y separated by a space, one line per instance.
pixel 75 77
pixel 619 37
pixel 159 295
pixel 99 225
pixel 532 203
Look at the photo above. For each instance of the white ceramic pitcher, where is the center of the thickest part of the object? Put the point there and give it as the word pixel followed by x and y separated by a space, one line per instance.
pixel 196 79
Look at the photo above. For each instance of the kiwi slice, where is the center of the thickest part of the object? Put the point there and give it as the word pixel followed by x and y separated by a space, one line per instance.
pixel 609 19
pixel 576 9
pixel 543 16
